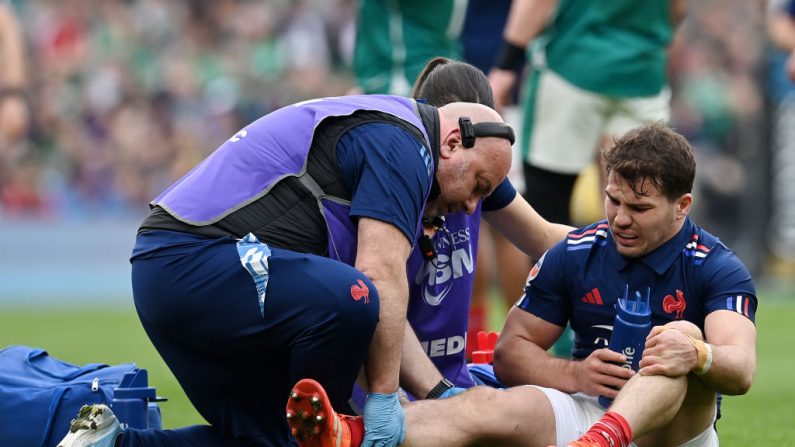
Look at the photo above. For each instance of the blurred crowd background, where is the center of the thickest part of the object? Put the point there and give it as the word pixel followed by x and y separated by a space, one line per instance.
pixel 126 95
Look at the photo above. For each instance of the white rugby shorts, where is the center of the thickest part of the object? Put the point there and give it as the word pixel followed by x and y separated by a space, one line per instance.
pixel 576 413
pixel 565 123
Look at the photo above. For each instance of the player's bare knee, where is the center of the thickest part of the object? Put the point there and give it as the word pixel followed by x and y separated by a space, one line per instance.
pixel 687 328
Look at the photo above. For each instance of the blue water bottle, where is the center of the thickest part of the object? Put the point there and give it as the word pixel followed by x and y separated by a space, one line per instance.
pixel 630 329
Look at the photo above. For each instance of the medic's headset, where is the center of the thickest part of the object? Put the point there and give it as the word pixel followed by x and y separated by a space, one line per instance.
pixel 471 131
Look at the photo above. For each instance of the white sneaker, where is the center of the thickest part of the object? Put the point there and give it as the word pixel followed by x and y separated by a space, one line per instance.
pixel 95 426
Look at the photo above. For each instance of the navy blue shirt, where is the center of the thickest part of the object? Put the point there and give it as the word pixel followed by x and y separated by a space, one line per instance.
pixel 579 280
pixel 503 195
pixel 388 172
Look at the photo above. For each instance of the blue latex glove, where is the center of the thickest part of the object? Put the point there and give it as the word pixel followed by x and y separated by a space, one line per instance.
pixel 384 421
pixel 452 392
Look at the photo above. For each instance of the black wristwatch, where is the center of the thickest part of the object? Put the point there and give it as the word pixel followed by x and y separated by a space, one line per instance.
pixel 439 389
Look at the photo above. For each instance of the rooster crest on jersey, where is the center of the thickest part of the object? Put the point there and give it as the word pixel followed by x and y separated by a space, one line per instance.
pixel 360 291
pixel 678 304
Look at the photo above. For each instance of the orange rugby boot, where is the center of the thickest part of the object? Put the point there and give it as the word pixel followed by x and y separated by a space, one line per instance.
pixel 314 423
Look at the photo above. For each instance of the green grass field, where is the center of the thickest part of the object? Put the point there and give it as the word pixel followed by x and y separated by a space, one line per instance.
pixel 763 417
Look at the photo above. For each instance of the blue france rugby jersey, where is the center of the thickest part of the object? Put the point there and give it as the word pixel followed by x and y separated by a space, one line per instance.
pixel 579 280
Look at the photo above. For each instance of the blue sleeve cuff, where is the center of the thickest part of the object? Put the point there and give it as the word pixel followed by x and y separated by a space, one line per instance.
pixel 501 197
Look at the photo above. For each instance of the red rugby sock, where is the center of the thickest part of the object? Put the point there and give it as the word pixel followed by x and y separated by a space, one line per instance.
pixel 356 425
pixel 610 431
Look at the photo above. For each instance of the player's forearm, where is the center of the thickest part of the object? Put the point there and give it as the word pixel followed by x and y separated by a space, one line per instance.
pixel 732 338
pixel 521 362
pixel 527 20
pixel 732 371
pixel 418 374
pixel 11 50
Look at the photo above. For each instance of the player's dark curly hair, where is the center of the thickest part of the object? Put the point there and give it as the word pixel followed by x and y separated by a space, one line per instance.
pixel 443 81
pixel 653 154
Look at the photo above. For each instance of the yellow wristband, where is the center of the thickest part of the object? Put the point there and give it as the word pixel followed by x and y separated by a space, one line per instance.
pixel 704 354
pixel 707 363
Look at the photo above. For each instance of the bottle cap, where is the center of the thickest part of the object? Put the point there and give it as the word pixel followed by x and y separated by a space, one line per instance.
pixel 634 311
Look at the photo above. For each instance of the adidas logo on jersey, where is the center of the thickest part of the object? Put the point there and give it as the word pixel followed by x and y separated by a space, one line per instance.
pixel 593 297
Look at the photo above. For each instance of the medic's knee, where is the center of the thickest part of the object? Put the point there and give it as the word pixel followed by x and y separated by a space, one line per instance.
pixel 363 302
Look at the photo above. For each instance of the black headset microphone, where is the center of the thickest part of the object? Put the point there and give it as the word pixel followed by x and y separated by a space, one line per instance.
pixel 426 243
pixel 469 132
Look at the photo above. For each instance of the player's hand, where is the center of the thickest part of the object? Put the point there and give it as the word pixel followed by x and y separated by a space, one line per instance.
pixel 502 82
pixel 600 374
pixel 384 421
pixel 668 353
